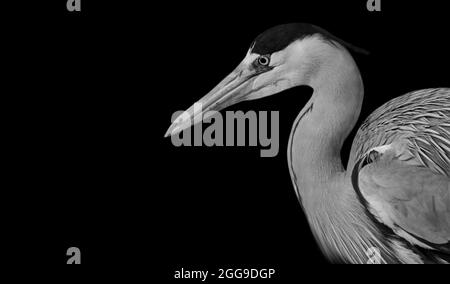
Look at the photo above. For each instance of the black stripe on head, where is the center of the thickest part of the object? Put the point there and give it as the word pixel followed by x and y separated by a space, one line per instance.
pixel 279 37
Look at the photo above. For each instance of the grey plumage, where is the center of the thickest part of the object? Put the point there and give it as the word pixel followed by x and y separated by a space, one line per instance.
pixel 421 119
pixel 406 186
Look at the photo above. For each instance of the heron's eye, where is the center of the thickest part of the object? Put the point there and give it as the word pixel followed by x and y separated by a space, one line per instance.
pixel 263 60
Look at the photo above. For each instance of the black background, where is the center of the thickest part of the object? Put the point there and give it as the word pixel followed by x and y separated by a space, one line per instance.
pixel 93 96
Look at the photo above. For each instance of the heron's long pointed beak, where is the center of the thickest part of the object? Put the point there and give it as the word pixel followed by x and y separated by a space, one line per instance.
pixel 230 91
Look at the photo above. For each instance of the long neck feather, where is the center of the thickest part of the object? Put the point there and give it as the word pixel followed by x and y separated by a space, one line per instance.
pixel 322 184
pixel 323 124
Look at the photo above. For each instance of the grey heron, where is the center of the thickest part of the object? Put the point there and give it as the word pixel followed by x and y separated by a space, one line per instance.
pixel 394 195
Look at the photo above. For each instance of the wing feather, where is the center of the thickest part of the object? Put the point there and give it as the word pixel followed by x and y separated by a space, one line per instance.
pixel 408 187
pixel 421 119
pixel 408 198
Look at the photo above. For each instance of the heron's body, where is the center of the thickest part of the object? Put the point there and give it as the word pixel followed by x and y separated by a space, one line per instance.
pixel 394 195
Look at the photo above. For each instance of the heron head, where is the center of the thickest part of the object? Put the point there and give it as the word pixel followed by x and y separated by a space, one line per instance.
pixel 281 58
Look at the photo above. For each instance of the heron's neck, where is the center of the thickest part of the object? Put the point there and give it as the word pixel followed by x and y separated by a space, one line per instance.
pixel 324 123
pixel 314 156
